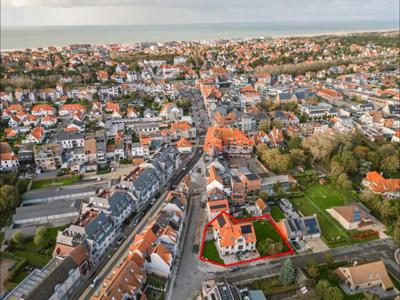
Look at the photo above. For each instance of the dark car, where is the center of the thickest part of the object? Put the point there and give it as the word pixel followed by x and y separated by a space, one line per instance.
pixel 195 248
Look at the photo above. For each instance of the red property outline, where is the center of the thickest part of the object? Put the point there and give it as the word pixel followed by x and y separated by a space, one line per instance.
pixel 266 216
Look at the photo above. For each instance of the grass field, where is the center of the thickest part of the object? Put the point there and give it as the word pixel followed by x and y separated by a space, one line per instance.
pixel 54 182
pixel 277 214
pixel 317 198
pixel 210 252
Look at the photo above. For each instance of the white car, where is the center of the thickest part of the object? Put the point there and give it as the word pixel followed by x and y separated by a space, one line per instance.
pixel 94 282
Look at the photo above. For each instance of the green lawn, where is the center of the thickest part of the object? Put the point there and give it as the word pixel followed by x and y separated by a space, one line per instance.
pixel 276 213
pixel 317 198
pixel 54 182
pixel 36 259
pixel 264 230
pixel 211 252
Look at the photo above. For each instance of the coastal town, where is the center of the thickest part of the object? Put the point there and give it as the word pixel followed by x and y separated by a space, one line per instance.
pixel 243 169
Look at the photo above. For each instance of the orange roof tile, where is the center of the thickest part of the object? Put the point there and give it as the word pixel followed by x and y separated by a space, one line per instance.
pixel 183 142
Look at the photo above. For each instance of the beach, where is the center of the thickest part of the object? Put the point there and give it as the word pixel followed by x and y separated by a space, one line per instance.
pixel 15 38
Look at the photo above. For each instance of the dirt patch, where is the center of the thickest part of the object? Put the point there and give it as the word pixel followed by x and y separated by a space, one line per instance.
pixel 5 264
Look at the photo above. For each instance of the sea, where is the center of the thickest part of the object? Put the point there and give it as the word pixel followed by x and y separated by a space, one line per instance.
pixel 18 37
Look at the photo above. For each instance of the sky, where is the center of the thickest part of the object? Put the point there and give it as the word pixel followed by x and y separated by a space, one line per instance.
pixel 145 12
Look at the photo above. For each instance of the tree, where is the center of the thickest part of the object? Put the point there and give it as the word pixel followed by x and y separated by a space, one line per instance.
pixel 21 186
pixel 344 182
pixel 361 152
pixel 17 237
pixel 274 160
pixel 294 142
pixel 38 240
pixel 277 187
pixel 321 288
pixel 336 169
pixel 373 157
pixel 287 272
pixel 319 145
pixel 348 162
pixel 297 157
pixel 262 247
pixel 263 195
pixel 390 164
pixel 333 293
pixel 277 124
pixel 41 230
pixel 312 269
pixel 386 150
pixel 396 229
pixel 329 259
pixel 9 197
pixel 274 247
pixel 265 125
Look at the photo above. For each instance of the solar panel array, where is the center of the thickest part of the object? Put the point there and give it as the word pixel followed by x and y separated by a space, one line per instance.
pixel 312 226
pixel 246 229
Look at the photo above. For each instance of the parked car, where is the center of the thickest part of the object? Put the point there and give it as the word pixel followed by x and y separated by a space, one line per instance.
pixel 94 282
pixel 195 248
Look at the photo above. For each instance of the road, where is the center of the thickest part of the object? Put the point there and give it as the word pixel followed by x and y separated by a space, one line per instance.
pixel 115 255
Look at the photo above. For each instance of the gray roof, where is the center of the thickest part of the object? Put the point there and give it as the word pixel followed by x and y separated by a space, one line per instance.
pixel 47 287
pixel 48 209
pixel 76 191
pixel 64 135
pixel 99 228
pixel 118 201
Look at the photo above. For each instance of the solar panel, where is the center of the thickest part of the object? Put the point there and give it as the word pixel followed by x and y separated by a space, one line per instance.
pixel 356 216
pixel 221 221
pixel 297 224
pixel 292 229
pixel 218 206
pixel 312 226
pixel 246 229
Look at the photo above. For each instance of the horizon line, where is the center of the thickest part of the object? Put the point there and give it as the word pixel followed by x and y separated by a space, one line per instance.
pixel 210 23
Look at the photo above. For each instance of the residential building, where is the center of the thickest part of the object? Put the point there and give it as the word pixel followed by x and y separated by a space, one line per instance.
pixel 380 185
pixel 95 227
pixel 229 141
pixel 366 276
pixel 8 159
pixel 47 157
pixel 351 216
pixel 117 204
pixel 212 290
pixel 330 95
pixel 231 237
pixel 300 228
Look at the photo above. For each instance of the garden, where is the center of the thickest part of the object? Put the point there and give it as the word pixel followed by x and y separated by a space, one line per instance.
pixel 269 242
pixel 29 253
pixel 210 252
